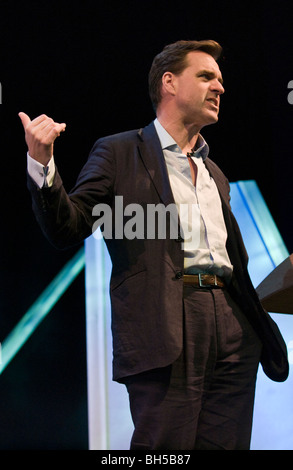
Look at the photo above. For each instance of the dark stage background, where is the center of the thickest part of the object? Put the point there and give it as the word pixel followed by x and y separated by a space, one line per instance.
pixel 86 64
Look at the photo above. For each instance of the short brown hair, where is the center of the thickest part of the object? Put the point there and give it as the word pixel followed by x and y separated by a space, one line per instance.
pixel 173 59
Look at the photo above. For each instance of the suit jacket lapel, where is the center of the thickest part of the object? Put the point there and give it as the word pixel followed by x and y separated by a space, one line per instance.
pixel 151 153
pixel 220 181
pixel 235 245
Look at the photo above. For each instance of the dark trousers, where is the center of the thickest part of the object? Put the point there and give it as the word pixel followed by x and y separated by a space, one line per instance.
pixel 204 400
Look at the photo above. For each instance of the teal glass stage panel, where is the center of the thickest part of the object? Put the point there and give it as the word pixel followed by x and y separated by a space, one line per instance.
pixel 110 425
pixel 273 412
pixel 262 239
pixel 40 309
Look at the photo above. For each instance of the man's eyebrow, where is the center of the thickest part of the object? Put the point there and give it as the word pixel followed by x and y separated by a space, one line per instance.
pixel 210 75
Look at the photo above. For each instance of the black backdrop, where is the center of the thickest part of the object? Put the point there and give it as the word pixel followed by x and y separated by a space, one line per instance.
pixel 86 64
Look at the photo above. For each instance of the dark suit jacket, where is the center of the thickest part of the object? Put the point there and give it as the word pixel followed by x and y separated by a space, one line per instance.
pixel 146 283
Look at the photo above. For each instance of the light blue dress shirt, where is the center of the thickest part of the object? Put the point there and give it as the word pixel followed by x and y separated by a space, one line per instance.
pixel 207 252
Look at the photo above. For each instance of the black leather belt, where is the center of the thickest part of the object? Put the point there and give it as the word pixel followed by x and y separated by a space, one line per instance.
pixel 203 280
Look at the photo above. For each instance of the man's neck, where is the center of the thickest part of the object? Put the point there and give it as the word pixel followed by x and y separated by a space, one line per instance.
pixel 184 135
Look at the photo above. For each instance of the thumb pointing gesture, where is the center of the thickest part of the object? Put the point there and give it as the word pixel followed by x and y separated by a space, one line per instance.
pixel 24 119
pixel 40 135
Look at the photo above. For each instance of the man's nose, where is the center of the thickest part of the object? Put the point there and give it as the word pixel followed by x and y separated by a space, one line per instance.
pixel 217 87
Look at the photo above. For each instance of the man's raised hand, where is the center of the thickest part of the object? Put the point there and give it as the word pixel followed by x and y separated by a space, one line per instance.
pixel 40 134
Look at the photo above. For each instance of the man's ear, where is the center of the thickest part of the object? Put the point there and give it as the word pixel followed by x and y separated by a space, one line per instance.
pixel 168 84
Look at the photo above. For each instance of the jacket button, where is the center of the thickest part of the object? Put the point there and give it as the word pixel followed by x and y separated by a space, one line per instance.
pixel 178 274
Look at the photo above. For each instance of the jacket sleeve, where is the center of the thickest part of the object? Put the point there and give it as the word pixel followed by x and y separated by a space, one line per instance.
pixel 66 218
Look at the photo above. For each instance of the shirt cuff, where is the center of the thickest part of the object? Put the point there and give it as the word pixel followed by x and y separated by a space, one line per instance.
pixel 42 176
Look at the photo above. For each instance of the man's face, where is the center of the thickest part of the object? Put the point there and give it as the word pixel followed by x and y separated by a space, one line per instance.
pixel 198 89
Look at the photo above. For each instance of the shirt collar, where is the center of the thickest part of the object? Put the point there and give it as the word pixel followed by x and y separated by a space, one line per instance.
pixel 167 141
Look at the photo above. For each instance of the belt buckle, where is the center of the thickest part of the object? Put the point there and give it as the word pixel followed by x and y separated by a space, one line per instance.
pixel 200 280
pixel 206 285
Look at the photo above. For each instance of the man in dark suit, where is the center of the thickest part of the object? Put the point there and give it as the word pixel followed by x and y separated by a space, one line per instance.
pixel 188 329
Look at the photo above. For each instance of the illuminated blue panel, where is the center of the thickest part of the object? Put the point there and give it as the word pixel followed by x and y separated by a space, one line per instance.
pixel 40 309
pixel 110 425
pixel 273 413
pixel 262 239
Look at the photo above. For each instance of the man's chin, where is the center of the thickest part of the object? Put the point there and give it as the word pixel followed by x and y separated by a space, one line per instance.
pixel 211 119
